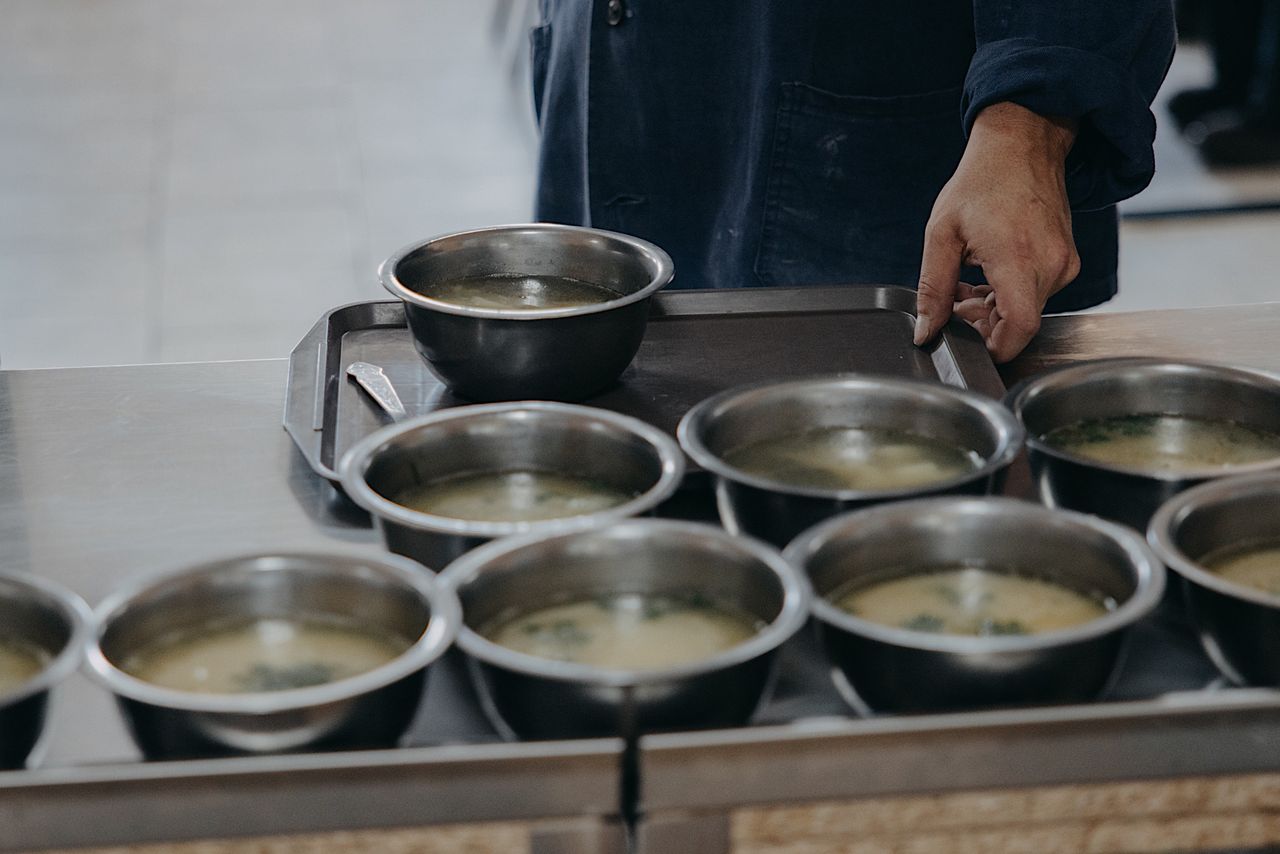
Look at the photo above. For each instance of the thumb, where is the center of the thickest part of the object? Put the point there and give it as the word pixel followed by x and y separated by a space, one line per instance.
pixel 939 275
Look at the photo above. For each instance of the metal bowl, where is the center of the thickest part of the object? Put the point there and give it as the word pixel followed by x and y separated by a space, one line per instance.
pixel 1239 626
pixel 512 354
pixel 557 437
pixel 884 668
pixel 533 697
pixel 40 614
pixel 372 709
pixel 776 511
pixel 1126 387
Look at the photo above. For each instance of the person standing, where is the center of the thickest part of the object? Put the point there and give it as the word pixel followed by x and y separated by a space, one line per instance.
pixel 975 150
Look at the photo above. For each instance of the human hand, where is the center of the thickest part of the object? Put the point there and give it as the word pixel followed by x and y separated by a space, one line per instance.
pixel 1005 210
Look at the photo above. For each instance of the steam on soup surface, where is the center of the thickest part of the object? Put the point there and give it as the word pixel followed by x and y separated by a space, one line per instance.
pixel 512 496
pixel 969 600
pixel 628 632
pixel 19 662
pixel 264 655
pixel 518 292
pixel 854 458
pixel 1256 565
pixel 1166 443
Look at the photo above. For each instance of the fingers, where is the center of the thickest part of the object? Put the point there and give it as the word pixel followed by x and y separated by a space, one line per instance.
pixel 1014 316
pixel 939 279
pixel 966 291
pixel 972 310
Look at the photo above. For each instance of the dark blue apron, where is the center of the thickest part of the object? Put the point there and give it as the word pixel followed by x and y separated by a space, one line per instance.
pixel 768 143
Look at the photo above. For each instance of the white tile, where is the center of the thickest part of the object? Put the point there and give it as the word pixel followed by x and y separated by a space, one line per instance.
pixel 1198 262
pixel 100 155
pixel 277 155
pixel 238 52
pixel 253 279
pixel 74 308
pixel 256 296
pixel 68 221
pixel 97 45
pixel 317 235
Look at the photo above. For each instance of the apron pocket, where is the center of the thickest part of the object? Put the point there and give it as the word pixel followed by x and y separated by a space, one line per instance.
pixel 852 180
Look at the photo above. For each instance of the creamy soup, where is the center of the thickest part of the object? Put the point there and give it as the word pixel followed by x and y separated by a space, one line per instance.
pixel 518 292
pixel 1166 443
pixel 627 632
pixel 854 458
pixel 967 600
pixel 19 662
pixel 1256 565
pixel 512 496
pixel 264 655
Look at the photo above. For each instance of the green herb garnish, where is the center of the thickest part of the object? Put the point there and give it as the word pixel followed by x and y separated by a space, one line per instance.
pixel 265 677
pixel 990 627
pixel 924 623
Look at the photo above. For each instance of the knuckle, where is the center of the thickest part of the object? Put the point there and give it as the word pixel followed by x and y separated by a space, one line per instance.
pixel 1025 325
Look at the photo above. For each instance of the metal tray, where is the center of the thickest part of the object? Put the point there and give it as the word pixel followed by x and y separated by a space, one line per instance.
pixel 697 343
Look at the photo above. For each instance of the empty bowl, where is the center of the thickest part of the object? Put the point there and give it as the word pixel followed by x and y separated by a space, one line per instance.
pixel 201 663
pixel 1131 395
pixel 1238 623
pixel 533 343
pixel 611 457
pixel 983 434
pixel 915 665
pixel 645 625
pixel 42 630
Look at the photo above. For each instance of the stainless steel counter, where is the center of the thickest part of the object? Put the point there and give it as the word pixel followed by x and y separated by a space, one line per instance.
pixel 112 471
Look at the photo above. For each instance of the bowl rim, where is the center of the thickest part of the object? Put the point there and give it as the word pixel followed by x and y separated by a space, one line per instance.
pixel 661 261
pixel 1148 589
pixel 1026 390
pixel 444 617
pixel 1011 434
pixel 1172 513
pixel 356 462
pixel 75 611
pixel 791 616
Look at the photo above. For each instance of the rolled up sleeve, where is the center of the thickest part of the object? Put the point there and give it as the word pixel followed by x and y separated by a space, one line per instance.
pixel 1098 62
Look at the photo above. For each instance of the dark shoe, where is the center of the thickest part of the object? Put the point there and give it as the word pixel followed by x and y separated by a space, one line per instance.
pixel 1193 104
pixel 1245 142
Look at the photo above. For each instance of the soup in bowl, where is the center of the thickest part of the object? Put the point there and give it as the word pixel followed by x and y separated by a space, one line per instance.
pixel 537 310
pixel 785 455
pixel 273 652
pixel 956 602
pixel 1221 539
pixel 42 631
pixel 444 483
pixel 645 625
pixel 1119 437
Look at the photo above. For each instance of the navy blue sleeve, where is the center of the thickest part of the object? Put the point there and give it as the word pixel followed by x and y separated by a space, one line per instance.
pixel 1099 62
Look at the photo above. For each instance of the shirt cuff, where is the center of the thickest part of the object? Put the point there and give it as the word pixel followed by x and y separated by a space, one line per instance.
pixel 1112 158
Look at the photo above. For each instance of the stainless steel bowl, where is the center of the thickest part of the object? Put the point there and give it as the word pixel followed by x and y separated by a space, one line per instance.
pixel 372 709
pixel 36 613
pixel 510 354
pixel 777 511
pixel 556 437
pixel 1239 626
pixel 885 668
pixel 1114 387
pixel 532 697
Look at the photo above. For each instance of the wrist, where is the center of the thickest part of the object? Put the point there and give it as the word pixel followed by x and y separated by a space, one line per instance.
pixel 1015 127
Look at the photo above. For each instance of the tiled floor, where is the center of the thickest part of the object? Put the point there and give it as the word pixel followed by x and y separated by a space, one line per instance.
pixel 201 179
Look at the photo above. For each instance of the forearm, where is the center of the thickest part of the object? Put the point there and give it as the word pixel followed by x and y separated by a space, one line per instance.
pixel 1097 63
